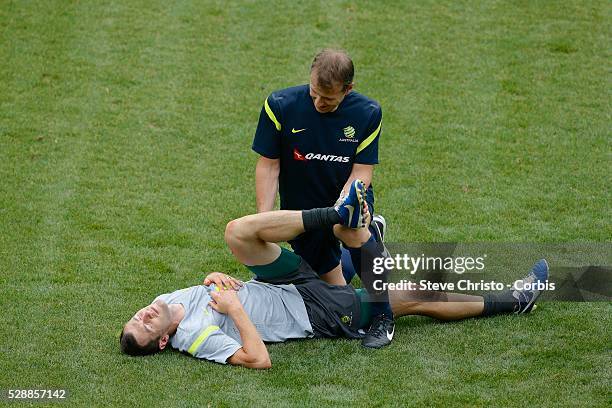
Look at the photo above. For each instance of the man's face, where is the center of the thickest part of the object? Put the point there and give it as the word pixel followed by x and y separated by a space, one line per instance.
pixel 150 323
pixel 326 100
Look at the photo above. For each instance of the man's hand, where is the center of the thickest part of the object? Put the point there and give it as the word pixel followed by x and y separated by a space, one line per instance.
pixel 222 281
pixel 225 301
pixel 365 211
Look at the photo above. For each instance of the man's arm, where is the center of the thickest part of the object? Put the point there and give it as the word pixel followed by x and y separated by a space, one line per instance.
pixel 362 172
pixel 367 153
pixel 266 183
pixel 253 353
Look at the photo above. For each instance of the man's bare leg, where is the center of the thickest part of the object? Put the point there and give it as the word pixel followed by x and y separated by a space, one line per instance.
pixel 439 305
pixel 454 306
pixel 252 239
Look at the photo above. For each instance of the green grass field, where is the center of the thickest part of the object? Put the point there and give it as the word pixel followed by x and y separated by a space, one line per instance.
pixel 125 132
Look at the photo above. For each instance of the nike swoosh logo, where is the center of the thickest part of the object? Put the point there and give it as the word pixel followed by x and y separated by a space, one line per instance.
pixel 351 209
pixel 390 335
pixel 293 130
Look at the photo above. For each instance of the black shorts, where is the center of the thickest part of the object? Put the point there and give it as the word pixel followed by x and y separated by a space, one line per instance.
pixel 321 248
pixel 333 311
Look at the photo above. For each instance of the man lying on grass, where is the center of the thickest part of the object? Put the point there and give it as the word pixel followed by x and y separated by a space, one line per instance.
pixel 226 320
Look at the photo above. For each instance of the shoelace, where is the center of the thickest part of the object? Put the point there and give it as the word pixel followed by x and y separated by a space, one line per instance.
pixel 377 327
pixel 521 300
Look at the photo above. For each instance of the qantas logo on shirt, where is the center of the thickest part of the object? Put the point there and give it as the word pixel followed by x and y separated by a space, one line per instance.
pixel 297 155
pixel 317 156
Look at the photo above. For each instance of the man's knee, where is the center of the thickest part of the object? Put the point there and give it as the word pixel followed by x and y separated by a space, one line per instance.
pixel 235 232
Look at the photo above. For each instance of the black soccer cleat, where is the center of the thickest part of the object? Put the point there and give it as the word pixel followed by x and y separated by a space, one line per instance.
pixel 380 227
pixel 380 333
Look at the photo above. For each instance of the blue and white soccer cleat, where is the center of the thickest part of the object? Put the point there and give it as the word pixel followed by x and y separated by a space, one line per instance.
pixel 527 291
pixel 350 208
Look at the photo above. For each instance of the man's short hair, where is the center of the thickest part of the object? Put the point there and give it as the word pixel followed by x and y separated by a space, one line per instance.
pixel 130 346
pixel 333 67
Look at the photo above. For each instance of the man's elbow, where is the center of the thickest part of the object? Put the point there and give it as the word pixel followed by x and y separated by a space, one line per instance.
pixel 263 364
pixel 243 359
pixel 268 165
pixel 259 363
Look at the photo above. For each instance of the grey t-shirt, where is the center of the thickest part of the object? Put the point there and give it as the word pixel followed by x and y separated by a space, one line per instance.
pixel 277 311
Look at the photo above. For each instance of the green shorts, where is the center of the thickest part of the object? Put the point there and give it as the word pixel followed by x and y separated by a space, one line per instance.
pixel 285 266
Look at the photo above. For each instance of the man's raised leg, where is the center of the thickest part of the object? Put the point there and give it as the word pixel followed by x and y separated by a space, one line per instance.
pixel 252 239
